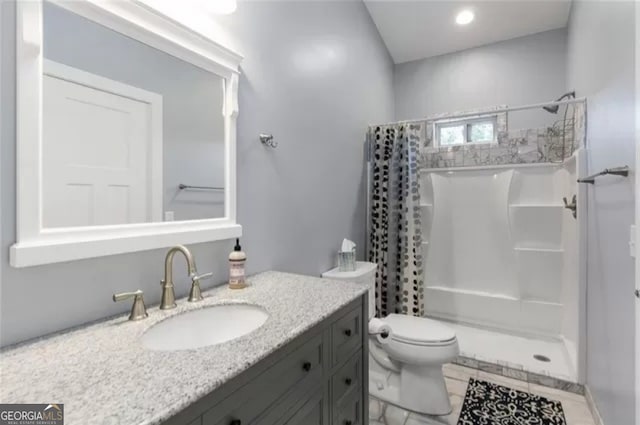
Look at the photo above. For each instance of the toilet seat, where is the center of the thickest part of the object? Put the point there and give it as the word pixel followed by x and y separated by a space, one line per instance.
pixel 419 331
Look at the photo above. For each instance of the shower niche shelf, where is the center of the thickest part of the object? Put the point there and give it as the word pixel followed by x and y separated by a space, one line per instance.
pixel 536 205
pixel 538 249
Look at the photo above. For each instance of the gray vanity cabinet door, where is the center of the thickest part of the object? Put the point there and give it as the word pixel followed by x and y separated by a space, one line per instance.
pixel 346 335
pixel 350 412
pixel 312 413
pixel 347 380
pixel 299 371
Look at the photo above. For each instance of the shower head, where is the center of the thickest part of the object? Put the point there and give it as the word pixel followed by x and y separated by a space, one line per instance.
pixel 553 109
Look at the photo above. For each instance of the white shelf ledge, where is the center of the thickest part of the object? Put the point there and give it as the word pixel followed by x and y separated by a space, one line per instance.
pixel 536 206
pixel 537 249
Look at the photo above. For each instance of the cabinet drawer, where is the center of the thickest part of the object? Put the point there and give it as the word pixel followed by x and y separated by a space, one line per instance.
pixel 350 412
pixel 346 334
pixel 312 413
pixel 301 369
pixel 347 379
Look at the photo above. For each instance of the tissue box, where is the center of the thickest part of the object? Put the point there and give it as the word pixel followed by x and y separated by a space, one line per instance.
pixel 347 261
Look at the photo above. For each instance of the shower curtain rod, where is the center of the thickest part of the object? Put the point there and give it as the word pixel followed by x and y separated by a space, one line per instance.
pixel 487 112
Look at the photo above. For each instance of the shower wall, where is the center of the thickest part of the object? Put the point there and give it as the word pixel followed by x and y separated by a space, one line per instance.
pixel 498 247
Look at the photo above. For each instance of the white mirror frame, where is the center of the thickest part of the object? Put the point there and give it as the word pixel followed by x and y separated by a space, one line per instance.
pixel 37 245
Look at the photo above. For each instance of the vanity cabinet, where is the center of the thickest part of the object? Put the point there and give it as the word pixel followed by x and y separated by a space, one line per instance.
pixel 319 378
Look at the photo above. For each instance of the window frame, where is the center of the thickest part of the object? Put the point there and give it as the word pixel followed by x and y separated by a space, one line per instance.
pixel 467 123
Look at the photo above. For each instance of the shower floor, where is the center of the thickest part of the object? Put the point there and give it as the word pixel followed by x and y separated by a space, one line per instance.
pixel 515 351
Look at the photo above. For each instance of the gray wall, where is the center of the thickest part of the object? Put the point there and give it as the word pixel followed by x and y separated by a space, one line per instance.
pixel 315 75
pixel 193 124
pixel 515 72
pixel 601 67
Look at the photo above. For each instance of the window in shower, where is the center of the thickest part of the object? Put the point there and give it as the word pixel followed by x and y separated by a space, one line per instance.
pixel 452 132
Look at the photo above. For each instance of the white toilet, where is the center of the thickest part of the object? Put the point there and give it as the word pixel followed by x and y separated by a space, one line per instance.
pixel 405 369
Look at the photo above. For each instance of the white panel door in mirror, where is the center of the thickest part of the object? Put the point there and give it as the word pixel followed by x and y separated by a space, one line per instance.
pixel 96 152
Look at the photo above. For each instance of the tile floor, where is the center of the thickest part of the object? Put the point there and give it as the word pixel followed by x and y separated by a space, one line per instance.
pixel 457 377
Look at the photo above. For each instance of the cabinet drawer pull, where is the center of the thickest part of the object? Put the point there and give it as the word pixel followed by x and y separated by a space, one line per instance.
pixel 235 422
pixel 306 366
pixel 347 422
pixel 347 332
pixel 347 381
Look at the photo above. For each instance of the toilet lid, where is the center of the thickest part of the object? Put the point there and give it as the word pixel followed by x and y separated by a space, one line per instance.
pixel 418 330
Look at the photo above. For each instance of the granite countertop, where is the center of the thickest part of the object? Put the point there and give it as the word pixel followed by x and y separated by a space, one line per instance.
pixel 104 376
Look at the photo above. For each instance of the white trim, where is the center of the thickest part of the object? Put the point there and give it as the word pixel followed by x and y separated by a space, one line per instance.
pixel 637 214
pixel 581 191
pixel 36 245
pixel 113 241
pixel 592 406
pixel 143 23
pixel 154 100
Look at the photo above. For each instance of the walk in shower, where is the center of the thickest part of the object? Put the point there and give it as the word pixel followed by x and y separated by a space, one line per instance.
pixel 501 239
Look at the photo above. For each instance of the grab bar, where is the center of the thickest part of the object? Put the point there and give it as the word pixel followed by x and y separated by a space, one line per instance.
pixel 616 171
pixel 186 186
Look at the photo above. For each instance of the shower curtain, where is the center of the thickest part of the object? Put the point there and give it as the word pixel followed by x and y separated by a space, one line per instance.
pixel 395 239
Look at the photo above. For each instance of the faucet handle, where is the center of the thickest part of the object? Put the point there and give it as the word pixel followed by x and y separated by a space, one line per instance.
pixel 138 309
pixel 202 276
pixel 196 294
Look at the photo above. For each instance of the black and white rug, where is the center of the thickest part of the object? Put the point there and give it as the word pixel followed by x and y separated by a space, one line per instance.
pixel 491 404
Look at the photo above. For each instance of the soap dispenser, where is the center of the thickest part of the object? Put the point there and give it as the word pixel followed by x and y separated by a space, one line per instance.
pixel 237 258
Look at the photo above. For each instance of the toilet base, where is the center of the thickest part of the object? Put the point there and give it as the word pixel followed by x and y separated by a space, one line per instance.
pixel 382 413
pixel 410 376
pixel 423 392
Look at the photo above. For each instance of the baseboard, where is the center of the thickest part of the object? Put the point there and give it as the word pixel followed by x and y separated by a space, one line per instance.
pixel 592 406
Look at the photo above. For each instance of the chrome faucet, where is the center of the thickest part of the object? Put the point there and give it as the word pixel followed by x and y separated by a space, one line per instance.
pixel 168 294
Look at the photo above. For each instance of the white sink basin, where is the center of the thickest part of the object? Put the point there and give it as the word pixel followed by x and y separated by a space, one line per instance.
pixel 204 327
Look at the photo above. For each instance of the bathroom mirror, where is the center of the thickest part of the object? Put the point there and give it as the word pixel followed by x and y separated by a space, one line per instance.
pixel 130 134
pixel 126 132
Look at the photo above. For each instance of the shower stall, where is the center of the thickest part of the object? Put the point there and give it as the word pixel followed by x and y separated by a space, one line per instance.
pixel 502 234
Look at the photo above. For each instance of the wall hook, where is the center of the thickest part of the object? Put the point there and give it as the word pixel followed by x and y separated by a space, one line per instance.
pixel 267 140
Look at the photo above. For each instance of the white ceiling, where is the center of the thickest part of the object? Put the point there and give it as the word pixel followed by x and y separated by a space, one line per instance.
pixel 423 28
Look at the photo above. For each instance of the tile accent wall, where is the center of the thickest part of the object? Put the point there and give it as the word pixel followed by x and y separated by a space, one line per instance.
pixel 517 372
pixel 524 146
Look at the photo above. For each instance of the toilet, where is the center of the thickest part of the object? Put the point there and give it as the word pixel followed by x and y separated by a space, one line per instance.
pixel 405 369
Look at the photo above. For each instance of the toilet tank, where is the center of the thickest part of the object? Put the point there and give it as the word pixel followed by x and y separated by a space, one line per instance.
pixel 364 273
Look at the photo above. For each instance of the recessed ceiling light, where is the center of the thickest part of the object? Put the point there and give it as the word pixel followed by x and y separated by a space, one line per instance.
pixel 464 17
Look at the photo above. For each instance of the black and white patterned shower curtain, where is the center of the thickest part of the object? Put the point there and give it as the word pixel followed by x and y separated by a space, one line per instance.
pixel 395 231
